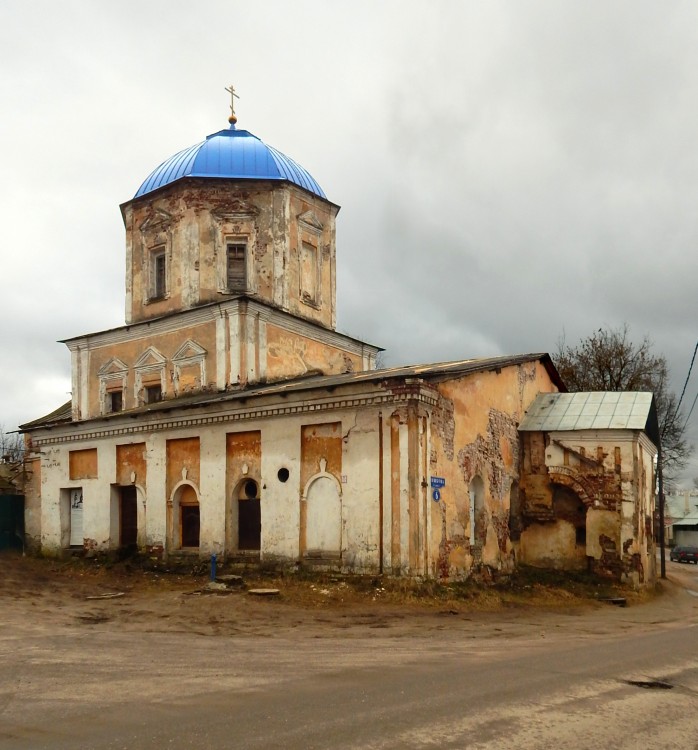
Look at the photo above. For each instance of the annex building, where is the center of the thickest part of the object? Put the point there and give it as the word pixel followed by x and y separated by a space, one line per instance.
pixel 229 416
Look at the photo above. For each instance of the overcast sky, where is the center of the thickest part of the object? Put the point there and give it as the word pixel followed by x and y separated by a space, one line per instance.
pixel 507 171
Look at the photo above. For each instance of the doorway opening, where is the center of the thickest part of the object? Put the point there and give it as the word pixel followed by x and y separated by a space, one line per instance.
pixel 249 516
pixel 189 518
pixel 128 517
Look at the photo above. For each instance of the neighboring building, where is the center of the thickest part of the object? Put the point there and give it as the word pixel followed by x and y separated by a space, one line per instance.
pixel 11 503
pixel 587 483
pixel 229 416
pixel 680 507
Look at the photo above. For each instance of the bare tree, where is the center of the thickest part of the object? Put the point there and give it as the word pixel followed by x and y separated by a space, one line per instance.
pixel 608 360
pixel 11 446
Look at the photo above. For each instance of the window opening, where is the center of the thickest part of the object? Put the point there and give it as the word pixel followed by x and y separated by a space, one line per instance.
pixel 283 474
pixel 115 401
pixel 153 393
pixel 237 267
pixel 159 274
pixel 249 517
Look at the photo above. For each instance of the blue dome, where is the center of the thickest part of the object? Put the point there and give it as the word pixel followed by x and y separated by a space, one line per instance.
pixel 230 154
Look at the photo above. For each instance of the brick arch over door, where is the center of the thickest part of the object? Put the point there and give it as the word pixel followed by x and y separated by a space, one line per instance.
pixel 569 478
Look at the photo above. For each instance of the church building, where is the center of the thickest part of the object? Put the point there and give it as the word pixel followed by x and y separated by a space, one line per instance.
pixel 229 416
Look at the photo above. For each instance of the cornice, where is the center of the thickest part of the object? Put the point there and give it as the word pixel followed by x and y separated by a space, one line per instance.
pixel 145 329
pixel 229 413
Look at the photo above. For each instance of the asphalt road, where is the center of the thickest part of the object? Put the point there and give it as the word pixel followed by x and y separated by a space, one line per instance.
pixel 565 684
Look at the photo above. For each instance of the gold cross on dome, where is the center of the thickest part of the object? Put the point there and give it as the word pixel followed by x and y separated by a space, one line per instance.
pixel 233 96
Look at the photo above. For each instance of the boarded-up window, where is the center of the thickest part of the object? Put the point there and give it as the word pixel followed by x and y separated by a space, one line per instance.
pixel 83 464
pixel 182 461
pixel 309 273
pixel 131 464
pixel 237 266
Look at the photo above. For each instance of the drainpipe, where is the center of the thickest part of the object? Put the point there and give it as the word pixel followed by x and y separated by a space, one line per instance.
pixel 380 492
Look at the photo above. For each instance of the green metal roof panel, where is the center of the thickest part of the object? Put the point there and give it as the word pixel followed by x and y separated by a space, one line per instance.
pixel 563 412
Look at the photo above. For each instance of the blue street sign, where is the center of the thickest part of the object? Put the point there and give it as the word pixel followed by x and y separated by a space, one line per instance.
pixel 436 495
pixel 438 482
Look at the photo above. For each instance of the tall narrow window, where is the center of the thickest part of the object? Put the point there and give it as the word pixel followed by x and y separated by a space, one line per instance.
pixel 309 273
pixel 237 267
pixel 159 275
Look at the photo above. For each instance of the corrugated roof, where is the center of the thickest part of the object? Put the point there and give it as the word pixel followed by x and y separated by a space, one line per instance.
pixel 230 154
pixel 61 414
pixel 690 520
pixel 592 410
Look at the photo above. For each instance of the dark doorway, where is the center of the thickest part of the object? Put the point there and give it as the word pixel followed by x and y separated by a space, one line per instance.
pixel 249 517
pixel 190 525
pixel 128 517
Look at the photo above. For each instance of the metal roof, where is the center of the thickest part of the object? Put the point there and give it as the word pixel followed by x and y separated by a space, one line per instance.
pixel 230 154
pixel 434 372
pixel 619 410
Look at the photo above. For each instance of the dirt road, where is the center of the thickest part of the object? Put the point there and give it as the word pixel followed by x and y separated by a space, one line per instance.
pixel 79 671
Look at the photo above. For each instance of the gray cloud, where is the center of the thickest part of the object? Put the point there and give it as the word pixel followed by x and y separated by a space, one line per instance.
pixel 507 170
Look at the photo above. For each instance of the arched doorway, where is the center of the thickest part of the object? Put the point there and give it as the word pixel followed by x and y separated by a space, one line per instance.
pixel 187 517
pixel 568 506
pixel 249 510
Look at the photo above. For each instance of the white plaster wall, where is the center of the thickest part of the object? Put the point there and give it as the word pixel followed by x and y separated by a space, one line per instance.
pixel 54 476
pixel 360 506
pixel 280 501
pixel 156 499
pixel 387 552
pixel 96 513
pixel 404 501
pixel 280 506
pixel 212 491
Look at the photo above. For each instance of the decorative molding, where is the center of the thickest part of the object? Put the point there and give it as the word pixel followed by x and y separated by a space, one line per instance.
pixel 158 220
pixel 237 209
pixel 187 318
pixel 238 415
pixel 113 367
pixel 151 357
pixel 189 354
pixel 310 222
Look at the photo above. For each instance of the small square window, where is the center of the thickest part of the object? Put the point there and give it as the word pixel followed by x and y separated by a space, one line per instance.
pixel 153 394
pixel 115 401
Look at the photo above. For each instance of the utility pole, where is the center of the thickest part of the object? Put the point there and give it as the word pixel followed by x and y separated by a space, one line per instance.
pixel 660 487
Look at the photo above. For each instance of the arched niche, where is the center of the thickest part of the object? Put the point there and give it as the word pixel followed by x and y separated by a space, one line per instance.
pixel 478 526
pixel 321 516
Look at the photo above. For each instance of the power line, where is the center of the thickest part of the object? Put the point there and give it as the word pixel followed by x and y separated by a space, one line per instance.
pixel 683 392
pixel 693 359
pixel 690 412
